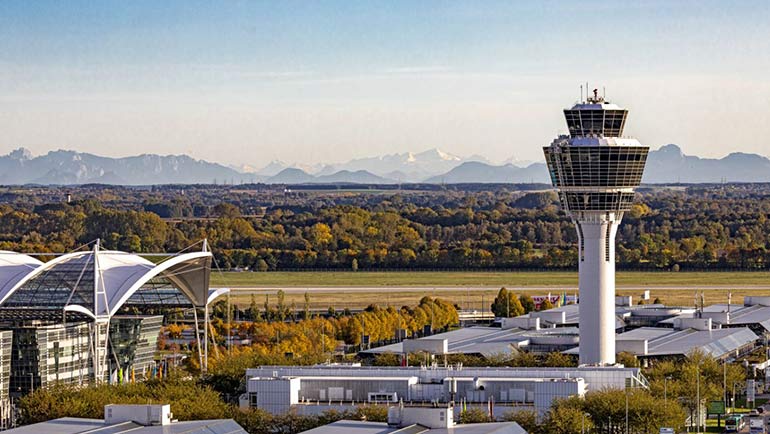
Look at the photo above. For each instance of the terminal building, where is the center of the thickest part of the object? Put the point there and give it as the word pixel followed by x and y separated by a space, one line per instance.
pixel 89 316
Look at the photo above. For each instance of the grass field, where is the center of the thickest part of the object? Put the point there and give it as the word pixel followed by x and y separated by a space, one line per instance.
pixel 406 288
pixel 434 279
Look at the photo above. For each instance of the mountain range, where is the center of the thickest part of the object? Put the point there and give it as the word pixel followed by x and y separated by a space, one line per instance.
pixel 665 165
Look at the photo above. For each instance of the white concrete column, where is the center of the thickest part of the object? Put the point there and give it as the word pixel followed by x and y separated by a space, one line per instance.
pixel 597 288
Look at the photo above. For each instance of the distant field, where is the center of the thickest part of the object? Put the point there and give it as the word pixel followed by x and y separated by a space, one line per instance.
pixel 432 279
pixel 475 290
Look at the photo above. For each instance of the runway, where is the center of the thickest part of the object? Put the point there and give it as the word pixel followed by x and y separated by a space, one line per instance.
pixel 429 289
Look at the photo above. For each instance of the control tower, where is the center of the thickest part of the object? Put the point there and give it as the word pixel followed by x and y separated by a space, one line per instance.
pixel 595 171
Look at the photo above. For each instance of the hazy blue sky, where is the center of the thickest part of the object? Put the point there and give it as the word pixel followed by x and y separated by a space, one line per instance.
pixel 322 81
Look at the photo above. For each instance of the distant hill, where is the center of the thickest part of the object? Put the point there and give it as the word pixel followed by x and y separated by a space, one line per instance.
pixel 70 167
pixel 475 171
pixel 290 175
pixel 404 167
pixel 669 165
pixel 357 177
pixel 298 176
pixel 665 165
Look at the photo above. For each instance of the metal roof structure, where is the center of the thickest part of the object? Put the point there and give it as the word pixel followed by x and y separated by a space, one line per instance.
pixel 14 267
pixel 658 342
pixel 755 316
pixel 74 425
pixel 96 283
pixel 491 341
pixel 569 316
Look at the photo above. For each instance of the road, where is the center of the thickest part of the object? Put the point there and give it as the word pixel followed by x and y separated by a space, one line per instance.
pixel 765 417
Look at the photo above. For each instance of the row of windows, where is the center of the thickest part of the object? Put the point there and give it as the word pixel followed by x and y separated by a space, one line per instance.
pixel 597 166
pixel 598 201
pixel 609 123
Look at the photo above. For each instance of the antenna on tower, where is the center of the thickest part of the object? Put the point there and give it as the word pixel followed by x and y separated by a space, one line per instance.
pixel 581 93
pixel 604 93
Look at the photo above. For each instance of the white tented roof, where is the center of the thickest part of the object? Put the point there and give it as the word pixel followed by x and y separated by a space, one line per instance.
pixel 14 267
pixel 98 282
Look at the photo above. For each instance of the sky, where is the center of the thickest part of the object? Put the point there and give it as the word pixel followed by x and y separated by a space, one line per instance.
pixel 247 82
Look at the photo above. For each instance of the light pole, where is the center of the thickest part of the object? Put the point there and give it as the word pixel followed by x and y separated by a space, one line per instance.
pixel 583 422
pixel 665 389
pixel 697 399
pixel 628 385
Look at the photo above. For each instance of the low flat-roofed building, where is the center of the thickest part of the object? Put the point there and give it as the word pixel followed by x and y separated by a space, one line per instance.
pixel 362 427
pixel 313 389
pixel 413 420
pixel 658 342
pixel 485 342
pixel 754 313
pixel 134 419
pixel 626 316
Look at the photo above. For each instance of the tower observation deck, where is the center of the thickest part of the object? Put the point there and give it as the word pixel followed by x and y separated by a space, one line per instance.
pixel 595 171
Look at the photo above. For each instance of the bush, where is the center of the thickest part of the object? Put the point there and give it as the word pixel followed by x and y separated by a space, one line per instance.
pixel 474 415
pixel 188 400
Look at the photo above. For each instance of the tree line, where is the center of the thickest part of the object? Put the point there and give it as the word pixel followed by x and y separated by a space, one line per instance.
pixel 696 228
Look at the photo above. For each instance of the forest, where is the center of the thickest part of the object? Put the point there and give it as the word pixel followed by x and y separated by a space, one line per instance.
pixel 257 228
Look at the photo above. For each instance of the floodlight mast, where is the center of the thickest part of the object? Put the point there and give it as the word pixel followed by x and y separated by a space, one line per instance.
pixel 595 172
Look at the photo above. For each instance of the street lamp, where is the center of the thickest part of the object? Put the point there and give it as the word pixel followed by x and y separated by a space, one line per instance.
pixel 665 389
pixel 583 422
pixel 628 385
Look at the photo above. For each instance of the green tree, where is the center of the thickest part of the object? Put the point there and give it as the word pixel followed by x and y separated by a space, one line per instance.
pixel 546 304
pixel 474 415
pixel 506 304
pixel 254 309
pixel 527 419
pixel 563 419
pixel 627 359
pixel 556 359
pixel 306 306
pixel 527 303
pixel 280 306
pixel 262 265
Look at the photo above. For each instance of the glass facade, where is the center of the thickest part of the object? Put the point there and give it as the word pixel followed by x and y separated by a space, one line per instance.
pixel 44 354
pixel 68 282
pixel 607 123
pixel 133 343
pixel 158 292
pixel 596 166
pixel 61 328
